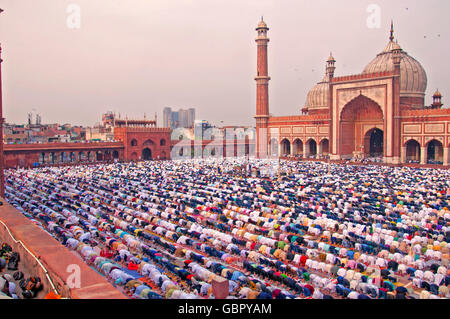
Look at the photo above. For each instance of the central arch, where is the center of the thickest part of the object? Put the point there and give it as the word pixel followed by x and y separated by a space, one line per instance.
pixel 146 154
pixel 356 117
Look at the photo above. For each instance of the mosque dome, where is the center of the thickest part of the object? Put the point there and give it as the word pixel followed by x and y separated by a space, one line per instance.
pixel 318 96
pixel 413 78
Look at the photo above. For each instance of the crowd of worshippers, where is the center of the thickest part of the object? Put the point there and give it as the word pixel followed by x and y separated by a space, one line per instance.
pixel 13 283
pixel 168 229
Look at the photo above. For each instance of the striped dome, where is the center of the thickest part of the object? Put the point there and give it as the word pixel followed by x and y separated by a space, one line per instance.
pixel 413 79
pixel 318 96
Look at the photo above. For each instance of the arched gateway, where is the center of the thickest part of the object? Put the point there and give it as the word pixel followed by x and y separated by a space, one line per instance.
pixel 361 128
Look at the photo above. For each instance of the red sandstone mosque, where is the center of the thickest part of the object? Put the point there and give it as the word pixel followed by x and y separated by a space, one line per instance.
pixel 379 113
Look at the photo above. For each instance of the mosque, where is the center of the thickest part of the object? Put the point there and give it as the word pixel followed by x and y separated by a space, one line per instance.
pixel 379 114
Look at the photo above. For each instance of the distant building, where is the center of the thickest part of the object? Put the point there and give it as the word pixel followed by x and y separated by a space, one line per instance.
pixel 202 128
pixel 100 133
pixel 108 119
pixel 181 118
pixel 32 133
pixel 142 139
pixel 167 115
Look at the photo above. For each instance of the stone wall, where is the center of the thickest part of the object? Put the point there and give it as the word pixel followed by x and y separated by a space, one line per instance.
pixel 55 258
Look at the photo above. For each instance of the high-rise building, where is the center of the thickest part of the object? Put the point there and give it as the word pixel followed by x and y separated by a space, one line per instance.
pixel 167 113
pixel 182 118
pixel 190 116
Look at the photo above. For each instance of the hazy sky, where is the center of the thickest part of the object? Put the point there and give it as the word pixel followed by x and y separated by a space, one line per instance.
pixel 139 56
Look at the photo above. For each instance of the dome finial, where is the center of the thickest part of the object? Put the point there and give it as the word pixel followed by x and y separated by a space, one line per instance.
pixel 262 24
pixel 331 58
pixel 392 31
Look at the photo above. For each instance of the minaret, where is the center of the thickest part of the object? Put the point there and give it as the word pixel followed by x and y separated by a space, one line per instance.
pixel 330 67
pixel 262 91
pixel 437 100
pixel 396 123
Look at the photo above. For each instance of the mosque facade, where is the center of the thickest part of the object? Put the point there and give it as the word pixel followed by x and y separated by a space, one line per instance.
pixel 142 139
pixel 378 114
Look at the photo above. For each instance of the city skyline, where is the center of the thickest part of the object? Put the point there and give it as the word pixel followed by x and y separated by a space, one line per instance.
pixel 138 59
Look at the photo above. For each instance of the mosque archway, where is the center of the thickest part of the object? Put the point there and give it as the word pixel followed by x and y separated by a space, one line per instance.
pixel 311 148
pixel 146 154
pixel 53 157
pixel 285 147
pixel 297 147
pixel 356 116
pixel 324 147
pixel 435 152
pixel 412 151
pixel 374 143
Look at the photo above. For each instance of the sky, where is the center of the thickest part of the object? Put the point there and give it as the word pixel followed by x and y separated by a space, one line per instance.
pixel 135 57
